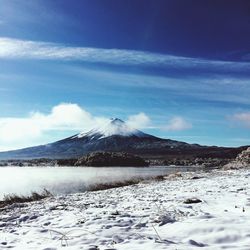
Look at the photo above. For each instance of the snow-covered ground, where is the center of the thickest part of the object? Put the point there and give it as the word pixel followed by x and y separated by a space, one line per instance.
pixel 144 216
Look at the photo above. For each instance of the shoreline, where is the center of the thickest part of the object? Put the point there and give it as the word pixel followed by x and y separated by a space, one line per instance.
pixel 54 179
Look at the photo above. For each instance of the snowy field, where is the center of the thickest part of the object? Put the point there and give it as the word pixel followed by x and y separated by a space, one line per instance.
pixel 140 217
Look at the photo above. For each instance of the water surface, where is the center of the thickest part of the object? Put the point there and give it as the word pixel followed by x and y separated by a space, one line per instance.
pixel 63 180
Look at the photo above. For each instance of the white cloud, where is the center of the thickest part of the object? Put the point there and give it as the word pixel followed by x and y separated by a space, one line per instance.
pixel 242 119
pixel 14 132
pixel 177 123
pixel 19 49
pixel 139 121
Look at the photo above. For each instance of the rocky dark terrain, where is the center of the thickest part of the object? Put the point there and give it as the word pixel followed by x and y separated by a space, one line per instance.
pixel 244 157
pixel 105 159
pixel 97 159
pixel 203 162
pixel 241 161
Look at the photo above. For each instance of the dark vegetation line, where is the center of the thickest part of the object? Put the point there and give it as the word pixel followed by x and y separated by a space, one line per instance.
pixel 104 186
pixel 14 198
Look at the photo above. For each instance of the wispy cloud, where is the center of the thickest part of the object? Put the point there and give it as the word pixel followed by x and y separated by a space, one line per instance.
pixel 17 49
pixel 242 119
pixel 139 121
pixel 214 88
pixel 177 123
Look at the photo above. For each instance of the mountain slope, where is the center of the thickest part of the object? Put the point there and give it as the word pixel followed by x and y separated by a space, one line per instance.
pixel 114 136
pixel 117 136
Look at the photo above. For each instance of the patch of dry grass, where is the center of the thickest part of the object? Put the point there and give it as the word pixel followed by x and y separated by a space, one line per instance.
pixel 116 184
pixel 14 198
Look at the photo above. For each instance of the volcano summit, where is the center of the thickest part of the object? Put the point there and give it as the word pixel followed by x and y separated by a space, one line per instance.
pixel 114 136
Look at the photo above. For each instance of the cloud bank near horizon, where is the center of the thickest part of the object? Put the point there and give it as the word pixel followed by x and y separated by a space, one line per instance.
pixel 22 132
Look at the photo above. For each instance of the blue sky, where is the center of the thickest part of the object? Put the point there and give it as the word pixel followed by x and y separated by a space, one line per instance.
pixel 175 69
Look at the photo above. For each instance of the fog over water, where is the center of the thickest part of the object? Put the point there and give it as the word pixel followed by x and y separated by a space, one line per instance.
pixel 63 180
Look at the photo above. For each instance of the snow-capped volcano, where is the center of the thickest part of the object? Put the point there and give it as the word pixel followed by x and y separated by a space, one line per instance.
pixel 115 136
pixel 114 127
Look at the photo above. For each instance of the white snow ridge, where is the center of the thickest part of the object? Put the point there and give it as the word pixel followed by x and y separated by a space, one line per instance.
pixel 114 127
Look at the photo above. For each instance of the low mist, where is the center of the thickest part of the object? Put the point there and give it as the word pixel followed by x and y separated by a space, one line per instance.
pixel 64 180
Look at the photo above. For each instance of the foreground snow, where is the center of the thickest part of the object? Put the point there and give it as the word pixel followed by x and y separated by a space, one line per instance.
pixel 144 216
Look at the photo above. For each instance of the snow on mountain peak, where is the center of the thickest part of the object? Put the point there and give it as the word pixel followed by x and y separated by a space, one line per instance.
pixel 115 126
pixel 116 121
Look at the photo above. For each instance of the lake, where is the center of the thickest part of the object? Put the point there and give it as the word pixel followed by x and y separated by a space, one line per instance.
pixel 64 180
